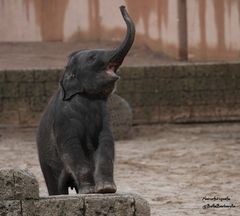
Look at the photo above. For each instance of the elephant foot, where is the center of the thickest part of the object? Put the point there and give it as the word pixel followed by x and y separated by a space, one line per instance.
pixel 105 187
pixel 86 189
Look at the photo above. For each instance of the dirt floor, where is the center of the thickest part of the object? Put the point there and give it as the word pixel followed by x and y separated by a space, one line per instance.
pixel 175 167
pixel 54 54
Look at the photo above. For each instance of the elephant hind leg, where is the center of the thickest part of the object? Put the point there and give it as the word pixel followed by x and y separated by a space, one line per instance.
pixel 64 182
pixel 51 179
pixel 67 180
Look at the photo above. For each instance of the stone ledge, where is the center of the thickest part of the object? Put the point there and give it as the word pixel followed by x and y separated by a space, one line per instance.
pixel 19 196
pixel 16 184
pixel 157 94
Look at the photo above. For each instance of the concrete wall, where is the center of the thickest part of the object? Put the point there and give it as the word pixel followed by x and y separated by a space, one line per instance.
pixel 69 20
pixel 167 93
pixel 194 29
pixel 213 29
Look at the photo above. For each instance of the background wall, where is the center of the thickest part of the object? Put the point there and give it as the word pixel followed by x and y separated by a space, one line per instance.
pixel 156 94
pixel 213 29
pixel 193 29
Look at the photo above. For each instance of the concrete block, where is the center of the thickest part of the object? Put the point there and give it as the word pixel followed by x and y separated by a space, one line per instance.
pixel 46 75
pixel 142 207
pixel 38 103
pixel 165 114
pixel 1 102
pixel 109 205
pixel 9 117
pixel 137 73
pixel 2 76
pixel 6 184
pixel 132 73
pixel 19 76
pixel 50 88
pixel 180 114
pixel 234 68
pixel 167 85
pixel 183 70
pixel 26 89
pixel 146 115
pixel 25 185
pixel 31 89
pixel 54 206
pixel 159 72
pixel 10 89
pixel 10 104
pixel 10 208
pixel 124 86
pixel 29 118
pixel 18 184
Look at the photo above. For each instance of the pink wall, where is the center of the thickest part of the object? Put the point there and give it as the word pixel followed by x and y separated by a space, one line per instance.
pixel 71 20
pixel 212 26
pixel 214 29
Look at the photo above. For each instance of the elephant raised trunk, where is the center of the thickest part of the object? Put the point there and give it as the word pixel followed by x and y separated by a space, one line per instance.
pixel 120 52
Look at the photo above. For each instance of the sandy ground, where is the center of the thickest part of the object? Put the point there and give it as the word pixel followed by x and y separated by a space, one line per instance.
pixel 173 166
pixel 54 54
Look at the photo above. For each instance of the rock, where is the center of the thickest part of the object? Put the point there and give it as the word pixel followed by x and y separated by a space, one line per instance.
pixel 26 185
pixel 18 184
pixel 142 207
pixel 6 184
pixel 54 206
pixel 109 205
pixel 10 208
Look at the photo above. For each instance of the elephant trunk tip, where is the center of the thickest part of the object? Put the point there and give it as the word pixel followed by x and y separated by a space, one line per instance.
pixel 122 8
pixel 124 11
pixel 121 51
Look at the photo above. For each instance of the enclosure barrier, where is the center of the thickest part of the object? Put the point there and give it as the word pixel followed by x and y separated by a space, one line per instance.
pixel 19 196
pixel 188 92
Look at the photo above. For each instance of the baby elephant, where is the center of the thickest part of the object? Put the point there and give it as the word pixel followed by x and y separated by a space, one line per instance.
pixel 75 143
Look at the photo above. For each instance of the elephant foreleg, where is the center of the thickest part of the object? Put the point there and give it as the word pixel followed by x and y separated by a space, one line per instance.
pixel 104 162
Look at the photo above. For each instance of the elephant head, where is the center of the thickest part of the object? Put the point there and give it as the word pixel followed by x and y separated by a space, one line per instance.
pixel 93 72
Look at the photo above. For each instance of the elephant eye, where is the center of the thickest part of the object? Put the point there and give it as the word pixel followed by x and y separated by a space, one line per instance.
pixel 91 58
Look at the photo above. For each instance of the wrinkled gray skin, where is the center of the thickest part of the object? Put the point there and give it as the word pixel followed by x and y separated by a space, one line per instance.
pixel 75 143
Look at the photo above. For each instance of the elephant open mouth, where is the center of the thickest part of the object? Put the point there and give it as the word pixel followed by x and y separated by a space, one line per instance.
pixel 112 68
pixel 111 71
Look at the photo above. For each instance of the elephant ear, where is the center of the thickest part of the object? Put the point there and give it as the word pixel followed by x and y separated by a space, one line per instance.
pixel 70 85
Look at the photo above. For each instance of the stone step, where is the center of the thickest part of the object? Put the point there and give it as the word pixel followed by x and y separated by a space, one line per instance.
pixel 19 196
